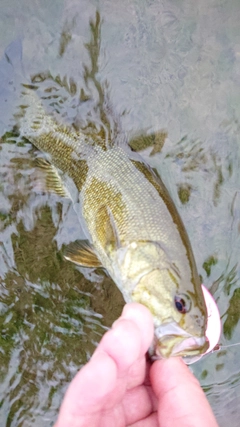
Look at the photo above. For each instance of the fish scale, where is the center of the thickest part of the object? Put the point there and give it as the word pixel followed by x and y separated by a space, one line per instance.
pixel 132 224
pixel 141 220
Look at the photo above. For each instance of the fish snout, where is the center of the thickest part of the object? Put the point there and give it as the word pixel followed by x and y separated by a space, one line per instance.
pixel 171 340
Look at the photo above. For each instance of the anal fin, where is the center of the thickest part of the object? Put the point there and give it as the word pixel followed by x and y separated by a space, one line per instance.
pixel 50 180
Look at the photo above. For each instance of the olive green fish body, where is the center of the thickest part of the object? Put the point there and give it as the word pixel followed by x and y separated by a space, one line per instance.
pixel 116 190
pixel 133 226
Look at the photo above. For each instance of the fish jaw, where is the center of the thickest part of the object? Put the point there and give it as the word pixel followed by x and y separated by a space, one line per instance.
pixel 171 340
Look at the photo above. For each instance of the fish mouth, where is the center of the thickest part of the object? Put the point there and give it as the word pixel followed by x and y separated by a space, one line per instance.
pixel 171 340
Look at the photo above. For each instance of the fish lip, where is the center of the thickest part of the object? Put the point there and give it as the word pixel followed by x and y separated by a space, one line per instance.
pixel 171 329
pixel 184 344
pixel 194 345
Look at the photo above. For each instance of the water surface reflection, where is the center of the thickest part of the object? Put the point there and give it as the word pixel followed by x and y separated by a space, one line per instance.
pixel 165 69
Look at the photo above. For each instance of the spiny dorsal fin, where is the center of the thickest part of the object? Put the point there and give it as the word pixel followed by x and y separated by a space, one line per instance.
pixel 52 181
pixel 82 253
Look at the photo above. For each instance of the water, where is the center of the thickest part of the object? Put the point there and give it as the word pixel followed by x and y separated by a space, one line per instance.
pixel 166 66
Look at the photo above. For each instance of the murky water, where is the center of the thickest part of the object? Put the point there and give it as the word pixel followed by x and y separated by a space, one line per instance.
pixel 171 66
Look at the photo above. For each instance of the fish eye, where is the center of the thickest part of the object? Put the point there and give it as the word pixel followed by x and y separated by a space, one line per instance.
pixel 182 303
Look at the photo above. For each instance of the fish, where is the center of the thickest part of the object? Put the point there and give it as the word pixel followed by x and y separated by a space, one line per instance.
pixel 133 229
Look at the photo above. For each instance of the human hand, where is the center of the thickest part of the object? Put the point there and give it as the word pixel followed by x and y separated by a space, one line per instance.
pixel 118 388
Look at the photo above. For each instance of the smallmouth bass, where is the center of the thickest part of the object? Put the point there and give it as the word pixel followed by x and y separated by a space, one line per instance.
pixel 132 226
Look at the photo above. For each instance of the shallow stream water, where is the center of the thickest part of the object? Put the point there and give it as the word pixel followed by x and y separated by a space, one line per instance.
pixel 164 67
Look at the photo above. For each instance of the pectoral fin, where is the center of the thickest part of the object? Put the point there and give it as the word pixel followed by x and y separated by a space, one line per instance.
pixel 107 229
pixel 82 253
pixel 51 180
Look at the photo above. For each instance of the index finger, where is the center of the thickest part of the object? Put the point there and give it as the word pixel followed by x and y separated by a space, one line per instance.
pixel 182 401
